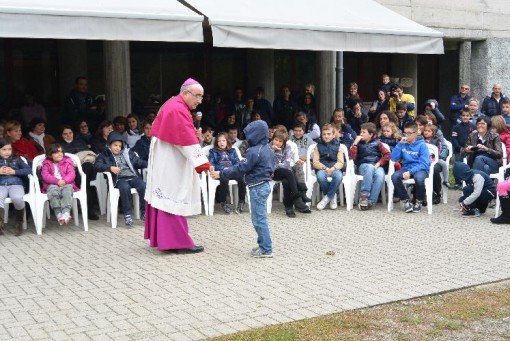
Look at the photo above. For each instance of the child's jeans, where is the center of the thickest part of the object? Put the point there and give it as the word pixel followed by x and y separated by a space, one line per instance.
pixel 329 188
pixel 15 192
pixel 60 198
pixel 419 180
pixel 373 180
pixel 124 185
pixel 258 205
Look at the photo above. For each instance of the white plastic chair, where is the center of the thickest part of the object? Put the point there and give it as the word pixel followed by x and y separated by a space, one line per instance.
pixel 357 178
pixel 112 207
pixel 41 199
pixel 29 198
pixel 428 181
pixel 448 158
pixel 102 191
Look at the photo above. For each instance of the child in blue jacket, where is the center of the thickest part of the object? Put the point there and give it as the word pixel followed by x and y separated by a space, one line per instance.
pixel 416 164
pixel 12 169
pixel 123 164
pixel 257 168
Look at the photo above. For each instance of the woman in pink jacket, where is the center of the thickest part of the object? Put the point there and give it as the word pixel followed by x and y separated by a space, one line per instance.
pixel 498 125
pixel 58 176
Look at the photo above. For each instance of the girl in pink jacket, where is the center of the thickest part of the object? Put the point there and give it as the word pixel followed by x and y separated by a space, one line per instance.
pixel 58 176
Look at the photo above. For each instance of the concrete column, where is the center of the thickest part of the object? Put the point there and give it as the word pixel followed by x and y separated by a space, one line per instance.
pixel 72 62
pixel 405 67
pixel 465 63
pixel 261 72
pixel 117 72
pixel 325 89
pixel 489 65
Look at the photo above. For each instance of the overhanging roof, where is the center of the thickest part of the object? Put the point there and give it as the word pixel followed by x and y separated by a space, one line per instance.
pixel 147 20
pixel 324 25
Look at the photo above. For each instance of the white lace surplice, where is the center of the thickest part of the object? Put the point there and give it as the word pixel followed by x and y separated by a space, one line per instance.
pixel 173 185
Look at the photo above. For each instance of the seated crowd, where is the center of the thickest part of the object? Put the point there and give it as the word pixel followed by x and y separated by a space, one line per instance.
pixel 121 148
pixel 392 131
pixel 391 137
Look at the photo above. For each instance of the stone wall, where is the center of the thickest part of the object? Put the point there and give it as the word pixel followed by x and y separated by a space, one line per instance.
pixel 467 19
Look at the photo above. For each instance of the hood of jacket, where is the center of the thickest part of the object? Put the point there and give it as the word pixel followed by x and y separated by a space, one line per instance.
pixel 462 172
pixel 256 133
pixel 432 101
pixel 116 136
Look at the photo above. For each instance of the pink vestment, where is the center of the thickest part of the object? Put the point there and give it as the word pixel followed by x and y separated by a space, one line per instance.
pixel 166 225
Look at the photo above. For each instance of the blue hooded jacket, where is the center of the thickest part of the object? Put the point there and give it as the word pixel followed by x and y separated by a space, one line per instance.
pixel 258 165
pixel 416 156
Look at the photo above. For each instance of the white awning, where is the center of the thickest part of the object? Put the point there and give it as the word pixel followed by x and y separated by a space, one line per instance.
pixel 147 20
pixel 325 25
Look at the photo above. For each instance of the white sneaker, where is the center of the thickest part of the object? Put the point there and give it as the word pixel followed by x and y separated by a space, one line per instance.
pixel 322 204
pixel 333 204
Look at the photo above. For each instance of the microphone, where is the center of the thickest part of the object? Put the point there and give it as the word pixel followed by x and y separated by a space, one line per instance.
pixel 198 118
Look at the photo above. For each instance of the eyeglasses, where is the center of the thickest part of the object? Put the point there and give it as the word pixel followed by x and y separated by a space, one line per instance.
pixel 410 132
pixel 197 96
pixel 464 88
pixel 84 126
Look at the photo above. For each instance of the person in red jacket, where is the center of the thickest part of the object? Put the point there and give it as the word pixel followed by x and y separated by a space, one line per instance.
pixel 20 145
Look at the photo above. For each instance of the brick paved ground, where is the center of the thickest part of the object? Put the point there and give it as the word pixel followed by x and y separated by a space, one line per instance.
pixel 108 284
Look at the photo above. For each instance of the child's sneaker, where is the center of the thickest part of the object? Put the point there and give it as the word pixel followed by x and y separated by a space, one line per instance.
pixel 142 215
pixel 60 219
pixel 322 204
pixel 240 207
pixel 67 218
pixel 407 205
pixel 258 253
pixel 363 202
pixel 226 207
pixel 128 220
pixel 333 204
pixel 446 184
pixel 417 206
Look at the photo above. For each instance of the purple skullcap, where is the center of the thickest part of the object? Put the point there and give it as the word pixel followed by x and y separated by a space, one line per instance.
pixel 190 81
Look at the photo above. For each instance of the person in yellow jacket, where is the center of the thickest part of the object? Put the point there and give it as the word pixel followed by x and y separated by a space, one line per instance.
pixel 397 95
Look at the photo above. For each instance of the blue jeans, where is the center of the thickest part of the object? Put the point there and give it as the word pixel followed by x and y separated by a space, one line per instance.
pixel 486 164
pixel 124 185
pixel 258 205
pixel 329 188
pixel 419 179
pixel 373 180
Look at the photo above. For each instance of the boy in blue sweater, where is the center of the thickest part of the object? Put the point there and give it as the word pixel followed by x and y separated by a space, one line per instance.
pixel 257 168
pixel 416 163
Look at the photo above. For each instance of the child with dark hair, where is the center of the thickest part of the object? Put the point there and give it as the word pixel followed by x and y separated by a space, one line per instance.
pixel 292 196
pixel 224 156
pixel 416 163
pixel 142 146
pixel 477 193
pixel 58 177
pixel 403 116
pixel 370 157
pixel 12 170
pixel 123 164
pixel 206 138
pixel 133 130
